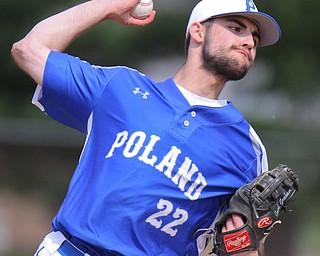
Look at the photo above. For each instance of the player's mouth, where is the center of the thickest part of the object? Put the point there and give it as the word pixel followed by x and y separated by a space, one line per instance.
pixel 244 52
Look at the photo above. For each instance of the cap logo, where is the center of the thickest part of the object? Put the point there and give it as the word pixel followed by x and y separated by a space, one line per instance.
pixel 251 7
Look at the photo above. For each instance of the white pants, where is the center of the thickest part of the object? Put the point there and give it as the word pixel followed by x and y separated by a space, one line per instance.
pixel 51 244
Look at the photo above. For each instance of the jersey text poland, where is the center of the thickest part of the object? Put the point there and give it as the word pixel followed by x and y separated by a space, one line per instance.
pixel 184 174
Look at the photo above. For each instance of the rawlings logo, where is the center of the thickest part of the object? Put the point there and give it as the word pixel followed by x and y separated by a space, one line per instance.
pixel 237 241
pixel 264 222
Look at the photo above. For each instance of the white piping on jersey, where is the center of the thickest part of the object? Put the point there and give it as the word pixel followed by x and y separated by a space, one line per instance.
pixel 116 67
pixel 262 159
pixel 36 96
pixel 89 128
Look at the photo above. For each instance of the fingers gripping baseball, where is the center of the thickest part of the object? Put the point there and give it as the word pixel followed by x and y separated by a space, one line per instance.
pixel 121 11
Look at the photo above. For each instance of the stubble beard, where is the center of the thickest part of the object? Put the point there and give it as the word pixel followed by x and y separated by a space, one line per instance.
pixel 219 64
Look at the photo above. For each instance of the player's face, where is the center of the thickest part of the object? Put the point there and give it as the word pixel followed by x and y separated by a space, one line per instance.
pixel 230 47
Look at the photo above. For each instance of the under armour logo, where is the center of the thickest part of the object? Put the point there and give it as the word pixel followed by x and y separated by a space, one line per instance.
pixel 251 7
pixel 145 95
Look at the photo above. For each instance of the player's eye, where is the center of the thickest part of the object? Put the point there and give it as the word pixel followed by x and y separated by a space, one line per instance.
pixel 235 28
pixel 256 39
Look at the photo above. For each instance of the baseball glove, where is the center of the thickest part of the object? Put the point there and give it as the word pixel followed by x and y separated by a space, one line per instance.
pixel 259 203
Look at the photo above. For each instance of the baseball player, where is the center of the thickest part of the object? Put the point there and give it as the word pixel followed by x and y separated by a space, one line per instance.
pixel 160 159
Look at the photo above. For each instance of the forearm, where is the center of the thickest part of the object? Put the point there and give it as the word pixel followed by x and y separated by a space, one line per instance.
pixel 54 33
pixel 58 31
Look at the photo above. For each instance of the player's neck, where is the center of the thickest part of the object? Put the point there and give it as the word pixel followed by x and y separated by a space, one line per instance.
pixel 199 82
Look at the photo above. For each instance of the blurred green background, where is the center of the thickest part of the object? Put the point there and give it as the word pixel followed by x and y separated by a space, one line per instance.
pixel 279 96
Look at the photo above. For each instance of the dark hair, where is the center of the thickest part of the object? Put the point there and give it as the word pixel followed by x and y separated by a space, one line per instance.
pixel 187 44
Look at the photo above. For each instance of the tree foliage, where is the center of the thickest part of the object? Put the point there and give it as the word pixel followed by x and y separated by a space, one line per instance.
pixel 295 58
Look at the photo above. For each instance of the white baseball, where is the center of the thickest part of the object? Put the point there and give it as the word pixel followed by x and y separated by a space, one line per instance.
pixel 143 9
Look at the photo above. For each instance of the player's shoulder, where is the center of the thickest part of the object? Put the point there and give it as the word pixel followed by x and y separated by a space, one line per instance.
pixel 122 71
pixel 77 61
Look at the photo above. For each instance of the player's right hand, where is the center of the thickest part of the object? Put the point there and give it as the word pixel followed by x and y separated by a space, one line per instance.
pixel 119 11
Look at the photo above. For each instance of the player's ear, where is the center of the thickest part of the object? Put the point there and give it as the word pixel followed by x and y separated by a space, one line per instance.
pixel 197 32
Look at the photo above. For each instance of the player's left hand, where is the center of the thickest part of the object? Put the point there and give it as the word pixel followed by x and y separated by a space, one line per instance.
pixel 253 212
pixel 233 222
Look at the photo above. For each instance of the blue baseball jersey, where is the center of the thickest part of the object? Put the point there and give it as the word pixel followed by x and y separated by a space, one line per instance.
pixel 153 169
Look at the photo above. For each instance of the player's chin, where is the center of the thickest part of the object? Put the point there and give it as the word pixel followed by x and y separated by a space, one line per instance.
pixel 238 74
pixel 239 69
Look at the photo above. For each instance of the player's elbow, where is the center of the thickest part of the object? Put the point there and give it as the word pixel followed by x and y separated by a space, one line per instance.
pixel 16 50
pixel 21 52
pixel 30 56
